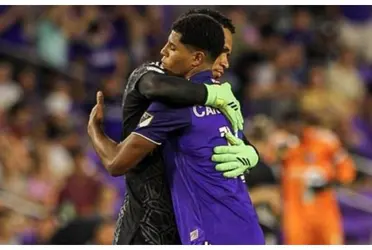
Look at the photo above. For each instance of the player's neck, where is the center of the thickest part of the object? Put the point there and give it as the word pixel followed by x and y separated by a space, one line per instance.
pixel 197 70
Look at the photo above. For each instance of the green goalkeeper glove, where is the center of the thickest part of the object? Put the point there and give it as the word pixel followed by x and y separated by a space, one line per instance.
pixel 234 159
pixel 222 98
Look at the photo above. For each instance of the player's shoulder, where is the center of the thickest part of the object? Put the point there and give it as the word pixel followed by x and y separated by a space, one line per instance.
pixel 141 70
pixel 148 67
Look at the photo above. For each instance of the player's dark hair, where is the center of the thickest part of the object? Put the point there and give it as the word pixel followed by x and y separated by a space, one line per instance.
pixel 216 15
pixel 201 32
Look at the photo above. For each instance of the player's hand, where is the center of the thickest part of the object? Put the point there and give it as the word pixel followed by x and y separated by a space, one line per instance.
pixel 97 114
pixel 234 159
pixel 222 98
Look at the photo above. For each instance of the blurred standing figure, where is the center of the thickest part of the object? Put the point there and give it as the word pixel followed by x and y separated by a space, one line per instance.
pixel 311 169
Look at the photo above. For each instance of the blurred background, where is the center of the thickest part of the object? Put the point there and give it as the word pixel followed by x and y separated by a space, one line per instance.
pixel 53 189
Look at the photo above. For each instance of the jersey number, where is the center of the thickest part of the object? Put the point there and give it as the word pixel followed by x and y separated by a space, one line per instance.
pixel 223 130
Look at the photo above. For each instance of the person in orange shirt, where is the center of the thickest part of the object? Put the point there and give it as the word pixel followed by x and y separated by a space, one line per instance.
pixel 310 171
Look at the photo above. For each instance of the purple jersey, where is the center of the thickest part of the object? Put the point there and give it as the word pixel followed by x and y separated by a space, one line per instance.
pixel 209 208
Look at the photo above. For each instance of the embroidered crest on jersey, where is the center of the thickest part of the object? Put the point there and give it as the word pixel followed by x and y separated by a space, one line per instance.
pixel 145 120
pixel 194 235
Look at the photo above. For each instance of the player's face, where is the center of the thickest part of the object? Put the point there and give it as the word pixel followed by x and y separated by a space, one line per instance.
pixel 222 62
pixel 177 58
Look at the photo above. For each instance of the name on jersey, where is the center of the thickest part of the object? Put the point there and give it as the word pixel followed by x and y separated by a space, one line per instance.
pixel 202 111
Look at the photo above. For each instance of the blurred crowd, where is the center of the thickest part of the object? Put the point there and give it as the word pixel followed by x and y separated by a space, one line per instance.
pixel 54 59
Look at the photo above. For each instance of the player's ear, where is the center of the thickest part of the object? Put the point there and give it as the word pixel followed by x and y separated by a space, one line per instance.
pixel 198 58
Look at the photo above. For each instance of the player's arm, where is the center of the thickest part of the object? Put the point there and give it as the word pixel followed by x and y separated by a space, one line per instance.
pixel 343 164
pixel 345 169
pixel 155 126
pixel 179 91
pixel 116 158
pixel 119 158
pixel 171 89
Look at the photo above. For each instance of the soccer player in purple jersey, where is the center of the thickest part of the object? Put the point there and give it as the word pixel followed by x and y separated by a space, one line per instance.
pixel 209 208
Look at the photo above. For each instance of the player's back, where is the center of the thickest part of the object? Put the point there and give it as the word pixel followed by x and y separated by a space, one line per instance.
pixel 209 208
pixel 147 215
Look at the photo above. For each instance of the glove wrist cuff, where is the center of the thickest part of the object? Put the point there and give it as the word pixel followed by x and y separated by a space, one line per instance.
pixel 211 95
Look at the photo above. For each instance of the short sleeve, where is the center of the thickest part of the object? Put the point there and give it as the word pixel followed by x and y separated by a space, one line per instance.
pixel 160 121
